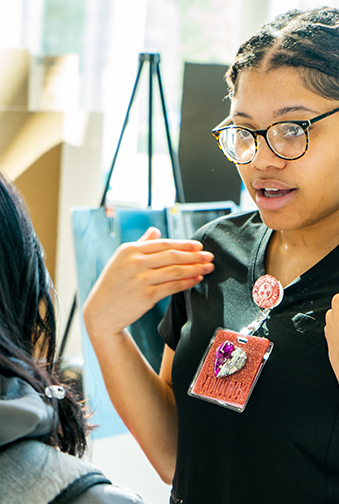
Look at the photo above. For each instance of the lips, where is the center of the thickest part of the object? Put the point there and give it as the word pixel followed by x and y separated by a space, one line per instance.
pixel 272 194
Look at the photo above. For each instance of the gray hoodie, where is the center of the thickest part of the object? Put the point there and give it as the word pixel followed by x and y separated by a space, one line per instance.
pixel 33 472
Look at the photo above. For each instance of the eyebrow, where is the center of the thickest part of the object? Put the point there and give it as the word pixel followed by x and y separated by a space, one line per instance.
pixel 279 112
pixel 296 108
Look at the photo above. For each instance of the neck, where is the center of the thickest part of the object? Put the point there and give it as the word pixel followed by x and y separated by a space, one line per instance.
pixel 291 253
pixel 323 234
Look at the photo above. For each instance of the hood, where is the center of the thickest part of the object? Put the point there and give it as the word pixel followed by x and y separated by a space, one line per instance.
pixel 23 413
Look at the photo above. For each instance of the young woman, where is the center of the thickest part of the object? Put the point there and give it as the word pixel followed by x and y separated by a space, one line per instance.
pixel 42 427
pixel 282 134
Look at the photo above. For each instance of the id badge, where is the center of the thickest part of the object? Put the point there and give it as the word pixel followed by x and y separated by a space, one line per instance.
pixel 233 361
pixel 230 369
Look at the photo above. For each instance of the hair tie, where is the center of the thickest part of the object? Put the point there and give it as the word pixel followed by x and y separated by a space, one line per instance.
pixel 55 391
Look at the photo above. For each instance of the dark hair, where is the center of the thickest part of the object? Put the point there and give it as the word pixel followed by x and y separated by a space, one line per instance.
pixel 307 40
pixel 27 318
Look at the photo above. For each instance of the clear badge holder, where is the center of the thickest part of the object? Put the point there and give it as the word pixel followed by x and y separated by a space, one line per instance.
pixel 233 361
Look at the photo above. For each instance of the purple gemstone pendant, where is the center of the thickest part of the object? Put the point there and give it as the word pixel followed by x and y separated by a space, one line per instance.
pixel 228 359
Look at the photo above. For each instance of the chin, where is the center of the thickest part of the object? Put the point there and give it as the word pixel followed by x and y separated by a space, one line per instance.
pixel 275 222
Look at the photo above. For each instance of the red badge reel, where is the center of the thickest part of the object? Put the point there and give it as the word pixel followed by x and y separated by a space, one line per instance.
pixel 267 292
pixel 234 361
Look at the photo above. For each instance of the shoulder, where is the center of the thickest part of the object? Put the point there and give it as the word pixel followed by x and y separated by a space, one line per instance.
pixel 230 226
pixel 234 235
pixel 108 494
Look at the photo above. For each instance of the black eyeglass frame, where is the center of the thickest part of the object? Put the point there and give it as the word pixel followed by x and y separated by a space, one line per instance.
pixel 255 133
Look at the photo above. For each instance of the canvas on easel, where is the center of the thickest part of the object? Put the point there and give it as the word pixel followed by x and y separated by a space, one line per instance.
pixel 94 244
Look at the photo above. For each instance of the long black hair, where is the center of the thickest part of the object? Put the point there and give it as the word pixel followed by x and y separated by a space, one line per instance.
pixel 27 318
pixel 306 40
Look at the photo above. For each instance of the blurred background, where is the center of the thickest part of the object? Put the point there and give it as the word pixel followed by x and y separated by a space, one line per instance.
pixel 68 68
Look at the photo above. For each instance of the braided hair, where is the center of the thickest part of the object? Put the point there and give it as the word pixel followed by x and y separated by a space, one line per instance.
pixel 306 40
pixel 27 319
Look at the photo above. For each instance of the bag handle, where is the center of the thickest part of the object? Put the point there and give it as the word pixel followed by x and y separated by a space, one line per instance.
pixel 79 486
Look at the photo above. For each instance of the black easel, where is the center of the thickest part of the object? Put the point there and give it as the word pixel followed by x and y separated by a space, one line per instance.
pixel 154 71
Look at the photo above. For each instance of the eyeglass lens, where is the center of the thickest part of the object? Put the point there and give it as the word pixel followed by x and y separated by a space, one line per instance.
pixel 287 140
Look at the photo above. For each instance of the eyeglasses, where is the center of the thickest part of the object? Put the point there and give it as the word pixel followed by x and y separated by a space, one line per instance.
pixel 288 140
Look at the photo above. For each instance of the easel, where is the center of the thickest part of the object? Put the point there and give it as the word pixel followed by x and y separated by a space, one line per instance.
pixel 154 71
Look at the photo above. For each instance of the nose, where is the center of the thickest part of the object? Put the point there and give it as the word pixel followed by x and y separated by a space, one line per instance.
pixel 265 158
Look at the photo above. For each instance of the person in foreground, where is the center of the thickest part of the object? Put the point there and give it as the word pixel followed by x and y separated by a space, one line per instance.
pixel 282 134
pixel 42 426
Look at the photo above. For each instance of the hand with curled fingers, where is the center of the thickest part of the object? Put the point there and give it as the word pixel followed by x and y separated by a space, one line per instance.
pixel 138 275
pixel 332 334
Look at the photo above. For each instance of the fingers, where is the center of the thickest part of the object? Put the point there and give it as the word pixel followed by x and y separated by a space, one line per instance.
pixel 333 312
pixel 164 265
pixel 177 273
pixel 163 252
pixel 151 246
pixel 152 233
pixel 166 258
pixel 152 294
pixel 332 334
pixel 164 290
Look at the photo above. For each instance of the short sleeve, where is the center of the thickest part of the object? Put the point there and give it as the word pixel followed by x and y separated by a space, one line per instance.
pixel 174 318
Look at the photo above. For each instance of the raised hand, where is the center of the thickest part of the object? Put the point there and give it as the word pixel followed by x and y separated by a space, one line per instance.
pixel 138 275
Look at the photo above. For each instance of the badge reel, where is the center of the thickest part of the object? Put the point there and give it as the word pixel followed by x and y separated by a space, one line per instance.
pixel 233 361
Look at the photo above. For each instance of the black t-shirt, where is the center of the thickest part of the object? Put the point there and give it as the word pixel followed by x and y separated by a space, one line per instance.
pixel 284 448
